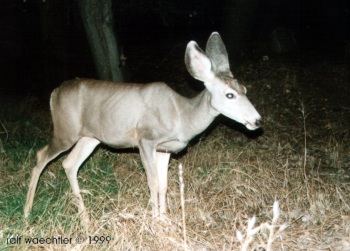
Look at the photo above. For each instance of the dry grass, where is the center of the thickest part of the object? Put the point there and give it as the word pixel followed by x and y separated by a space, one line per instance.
pixel 301 160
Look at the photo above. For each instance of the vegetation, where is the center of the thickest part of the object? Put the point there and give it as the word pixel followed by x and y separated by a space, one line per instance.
pixel 301 159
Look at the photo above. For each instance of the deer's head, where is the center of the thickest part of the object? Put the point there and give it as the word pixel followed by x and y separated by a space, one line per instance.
pixel 212 67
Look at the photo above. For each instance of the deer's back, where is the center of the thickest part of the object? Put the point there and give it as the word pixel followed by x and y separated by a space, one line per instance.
pixel 116 114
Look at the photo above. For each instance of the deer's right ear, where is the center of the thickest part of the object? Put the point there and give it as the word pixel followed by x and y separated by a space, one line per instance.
pixel 197 63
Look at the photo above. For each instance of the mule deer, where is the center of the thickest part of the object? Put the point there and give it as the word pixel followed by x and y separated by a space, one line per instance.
pixel 151 117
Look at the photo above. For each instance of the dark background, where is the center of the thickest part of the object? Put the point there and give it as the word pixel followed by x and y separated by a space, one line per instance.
pixel 39 48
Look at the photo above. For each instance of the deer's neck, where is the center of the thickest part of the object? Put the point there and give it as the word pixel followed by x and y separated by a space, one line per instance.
pixel 199 115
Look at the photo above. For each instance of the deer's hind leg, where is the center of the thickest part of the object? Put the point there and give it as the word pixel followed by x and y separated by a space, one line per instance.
pixel 44 156
pixel 81 151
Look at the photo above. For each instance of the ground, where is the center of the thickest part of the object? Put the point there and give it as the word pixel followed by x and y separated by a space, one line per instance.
pixel 300 158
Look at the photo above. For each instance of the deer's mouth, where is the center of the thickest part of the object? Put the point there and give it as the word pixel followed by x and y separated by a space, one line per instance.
pixel 251 126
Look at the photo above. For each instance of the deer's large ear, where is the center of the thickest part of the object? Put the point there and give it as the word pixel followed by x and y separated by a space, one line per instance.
pixel 217 53
pixel 197 63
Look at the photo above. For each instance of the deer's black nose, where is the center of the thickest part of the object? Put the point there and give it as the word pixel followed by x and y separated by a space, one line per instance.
pixel 258 123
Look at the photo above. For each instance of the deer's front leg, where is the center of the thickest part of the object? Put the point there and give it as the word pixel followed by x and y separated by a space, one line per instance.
pixel 162 160
pixel 148 157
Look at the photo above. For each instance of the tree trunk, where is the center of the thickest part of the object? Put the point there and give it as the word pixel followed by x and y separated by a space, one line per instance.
pixel 97 18
pixel 238 18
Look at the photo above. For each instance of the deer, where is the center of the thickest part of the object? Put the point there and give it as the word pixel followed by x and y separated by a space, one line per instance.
pixel 151 117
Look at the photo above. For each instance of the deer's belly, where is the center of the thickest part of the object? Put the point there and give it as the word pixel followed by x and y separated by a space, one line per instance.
pixel 172 146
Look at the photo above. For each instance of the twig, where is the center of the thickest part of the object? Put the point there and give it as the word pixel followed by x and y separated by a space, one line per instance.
pixel 182 194
pixel 342 198
pixel 2 149
pixel 5 130
pixel 251 231
pixel 305 150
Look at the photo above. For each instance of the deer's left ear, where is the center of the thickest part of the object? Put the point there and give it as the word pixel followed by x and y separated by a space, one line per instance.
pixel 216 51
pixel 197 63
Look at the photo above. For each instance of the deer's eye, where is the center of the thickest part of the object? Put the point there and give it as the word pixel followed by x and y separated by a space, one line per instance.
pixel 230 95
